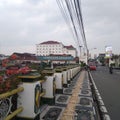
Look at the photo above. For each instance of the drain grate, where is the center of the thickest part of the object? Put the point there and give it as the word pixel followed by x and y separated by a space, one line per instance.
pixel 86 87
pixel 84 91
pixel 83 115
pixel 62 98
pixel 78 107
pixel 67 91
pixel 85 101
pixel 71 85
pixel 52 114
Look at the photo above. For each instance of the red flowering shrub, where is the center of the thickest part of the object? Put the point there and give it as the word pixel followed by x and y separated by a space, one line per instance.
pixel 9 84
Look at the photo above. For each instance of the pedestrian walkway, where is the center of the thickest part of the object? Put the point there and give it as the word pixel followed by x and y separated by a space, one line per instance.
pixel 75 104
pixel 69 111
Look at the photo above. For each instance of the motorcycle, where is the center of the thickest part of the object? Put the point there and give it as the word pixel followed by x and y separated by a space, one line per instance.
pixel 111 70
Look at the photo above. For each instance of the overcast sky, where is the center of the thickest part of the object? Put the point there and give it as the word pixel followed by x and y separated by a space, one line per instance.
pixel 25 23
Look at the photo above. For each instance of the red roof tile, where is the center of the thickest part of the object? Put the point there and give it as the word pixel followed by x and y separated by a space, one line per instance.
pixel 69 47
pixel 50 42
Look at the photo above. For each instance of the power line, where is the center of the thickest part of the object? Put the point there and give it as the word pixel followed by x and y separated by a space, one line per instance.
pixel 71 11
pixel 66 16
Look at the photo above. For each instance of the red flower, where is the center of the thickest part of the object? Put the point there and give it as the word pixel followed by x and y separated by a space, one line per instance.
pixel 9 84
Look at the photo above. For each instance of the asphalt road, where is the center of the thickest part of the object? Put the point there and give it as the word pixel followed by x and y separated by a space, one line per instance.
pixel 109 88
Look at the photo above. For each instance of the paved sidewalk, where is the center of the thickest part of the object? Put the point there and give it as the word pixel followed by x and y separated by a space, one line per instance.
pixel 69 111
pixel 75 104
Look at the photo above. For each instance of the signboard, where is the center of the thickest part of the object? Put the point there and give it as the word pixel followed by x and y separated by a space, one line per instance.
pixel 56 58
pixel 108 51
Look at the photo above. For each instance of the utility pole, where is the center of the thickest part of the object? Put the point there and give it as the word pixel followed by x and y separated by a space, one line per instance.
pixel 80 54
pixel 80 50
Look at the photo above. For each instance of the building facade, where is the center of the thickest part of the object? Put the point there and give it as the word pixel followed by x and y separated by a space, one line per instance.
pixel 55 48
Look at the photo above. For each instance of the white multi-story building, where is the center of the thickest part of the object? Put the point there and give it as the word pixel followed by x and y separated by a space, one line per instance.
pixel 53 47
pixel 70 50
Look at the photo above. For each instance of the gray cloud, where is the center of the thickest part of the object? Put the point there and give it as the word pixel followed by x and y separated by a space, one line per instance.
pixel 101 21
pixel 25 23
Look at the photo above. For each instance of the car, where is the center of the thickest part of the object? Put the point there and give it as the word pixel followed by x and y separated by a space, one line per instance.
pixel 92 66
